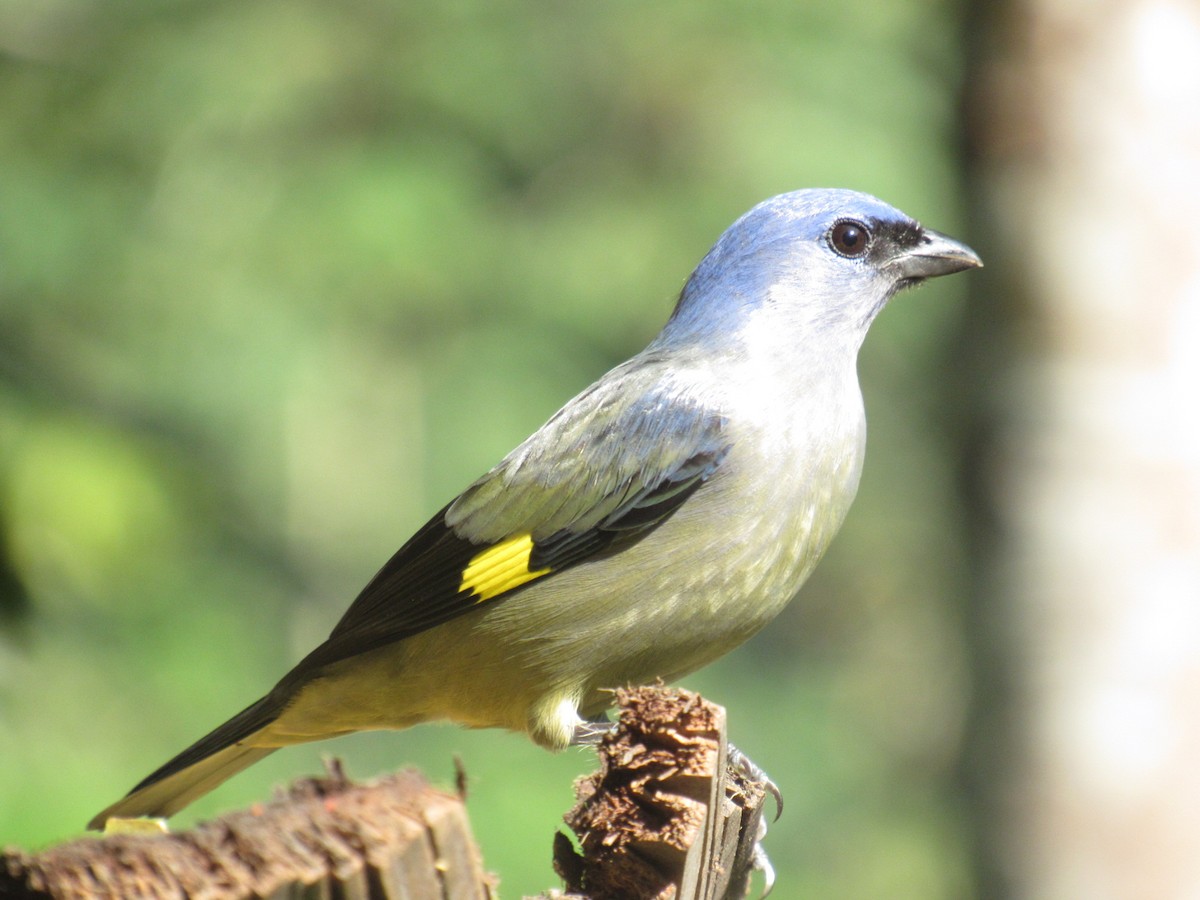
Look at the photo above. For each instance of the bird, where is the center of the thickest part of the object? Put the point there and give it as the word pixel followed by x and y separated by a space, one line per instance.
pixel 658 520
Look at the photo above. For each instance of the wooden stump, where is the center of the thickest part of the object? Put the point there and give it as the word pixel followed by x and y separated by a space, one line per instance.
pixel 665 817
pixel 395 838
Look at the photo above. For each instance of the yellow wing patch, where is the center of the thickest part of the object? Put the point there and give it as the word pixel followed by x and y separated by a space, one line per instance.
pixel 500 568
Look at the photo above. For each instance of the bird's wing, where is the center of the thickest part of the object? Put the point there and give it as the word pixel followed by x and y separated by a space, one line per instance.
pixel 606 469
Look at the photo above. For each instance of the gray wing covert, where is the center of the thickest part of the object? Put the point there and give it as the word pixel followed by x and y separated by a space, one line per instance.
pixel 605 470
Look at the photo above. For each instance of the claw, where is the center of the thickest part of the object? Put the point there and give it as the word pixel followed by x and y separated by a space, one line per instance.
pixel 773 789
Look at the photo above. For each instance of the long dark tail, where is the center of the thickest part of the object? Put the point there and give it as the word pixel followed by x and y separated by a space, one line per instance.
pixel 217 756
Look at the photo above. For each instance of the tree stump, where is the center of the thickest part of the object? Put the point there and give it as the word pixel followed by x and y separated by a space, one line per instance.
pixel 666 817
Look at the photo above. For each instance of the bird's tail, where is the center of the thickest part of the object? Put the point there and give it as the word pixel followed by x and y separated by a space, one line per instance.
pixel 200 768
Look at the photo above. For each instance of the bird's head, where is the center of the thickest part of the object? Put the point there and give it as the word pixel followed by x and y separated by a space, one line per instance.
pixel 817 262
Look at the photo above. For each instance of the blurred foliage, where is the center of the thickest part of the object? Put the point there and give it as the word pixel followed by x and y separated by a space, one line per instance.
pixel 277 279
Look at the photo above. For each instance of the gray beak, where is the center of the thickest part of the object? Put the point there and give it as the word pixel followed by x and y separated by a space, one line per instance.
pixel 935 254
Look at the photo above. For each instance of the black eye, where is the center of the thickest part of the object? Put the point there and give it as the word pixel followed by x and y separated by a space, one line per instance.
pixel 849 238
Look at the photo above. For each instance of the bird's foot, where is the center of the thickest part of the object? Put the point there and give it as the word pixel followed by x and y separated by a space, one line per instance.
pixel 752 772
pixel 749 770
pixel 762 862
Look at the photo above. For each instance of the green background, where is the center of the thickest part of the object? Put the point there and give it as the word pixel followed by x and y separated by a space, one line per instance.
pixel 278 279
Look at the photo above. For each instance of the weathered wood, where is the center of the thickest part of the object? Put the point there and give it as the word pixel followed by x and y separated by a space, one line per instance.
pixel 395 838
pixel 664 818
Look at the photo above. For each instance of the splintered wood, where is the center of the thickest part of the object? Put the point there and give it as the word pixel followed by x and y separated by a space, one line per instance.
pixel 394 838
pixel 663 818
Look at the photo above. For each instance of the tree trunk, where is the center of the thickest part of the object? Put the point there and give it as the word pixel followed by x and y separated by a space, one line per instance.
pixel 1085 122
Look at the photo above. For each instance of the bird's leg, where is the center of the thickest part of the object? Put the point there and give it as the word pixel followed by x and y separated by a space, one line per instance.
pixel 588 732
